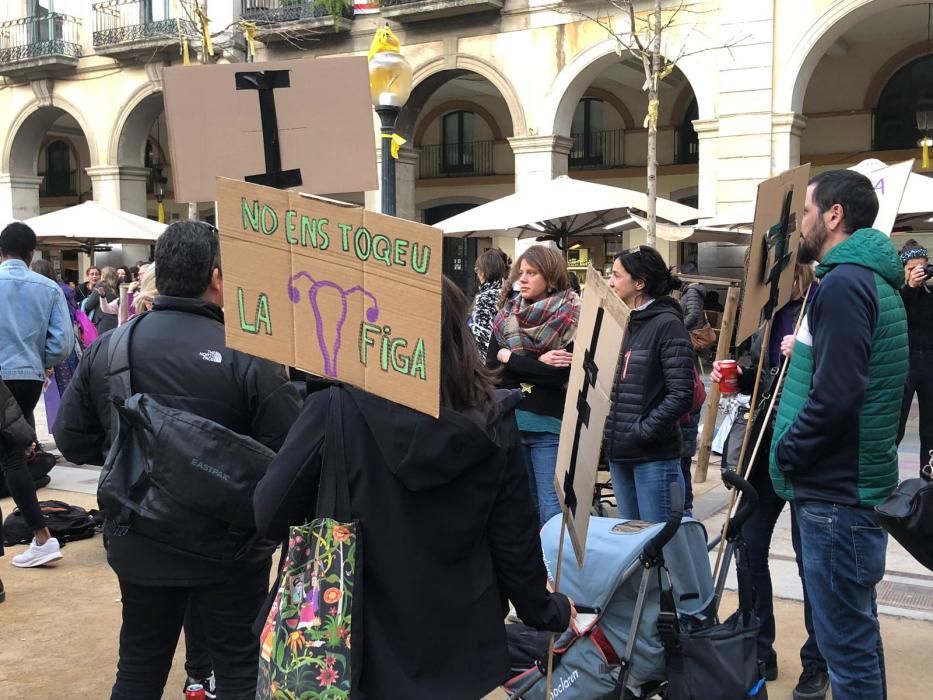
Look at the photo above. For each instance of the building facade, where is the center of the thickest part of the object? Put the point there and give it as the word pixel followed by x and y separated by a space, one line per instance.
pixel 506 93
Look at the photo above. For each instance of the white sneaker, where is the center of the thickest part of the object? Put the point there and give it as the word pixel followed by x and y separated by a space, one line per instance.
pixel 37 555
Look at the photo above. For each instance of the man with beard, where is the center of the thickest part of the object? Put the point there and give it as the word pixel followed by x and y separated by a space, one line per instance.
pixel 834 453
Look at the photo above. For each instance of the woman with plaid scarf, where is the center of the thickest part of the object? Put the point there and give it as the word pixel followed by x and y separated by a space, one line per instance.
pixel 532 340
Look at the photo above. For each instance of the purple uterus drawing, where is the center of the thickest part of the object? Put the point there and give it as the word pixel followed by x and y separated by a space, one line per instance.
pixel 331 353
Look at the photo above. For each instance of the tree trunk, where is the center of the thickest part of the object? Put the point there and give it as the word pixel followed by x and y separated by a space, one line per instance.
pixel 653 110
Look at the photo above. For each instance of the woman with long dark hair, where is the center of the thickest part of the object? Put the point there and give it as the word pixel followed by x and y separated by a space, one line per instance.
pixel 531 342
pixel 448 527
pixel 491 270
pixel 652 390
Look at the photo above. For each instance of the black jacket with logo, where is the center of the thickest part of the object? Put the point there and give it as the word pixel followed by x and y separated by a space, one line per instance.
pixel 179 357
pixel 653 387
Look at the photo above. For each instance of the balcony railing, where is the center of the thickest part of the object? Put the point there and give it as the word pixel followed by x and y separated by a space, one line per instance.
pixel 457 159
pixel 419 10
pixel 41 36
pixel 130 21
pixel 598 149
pixel 274 11
pixel 59 185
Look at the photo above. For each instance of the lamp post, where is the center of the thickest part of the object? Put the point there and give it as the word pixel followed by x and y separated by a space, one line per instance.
pixel 159 182
pixel 925 127
pixel 390 79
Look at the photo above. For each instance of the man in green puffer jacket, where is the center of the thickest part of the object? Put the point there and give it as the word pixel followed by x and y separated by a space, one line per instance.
pixel 834 453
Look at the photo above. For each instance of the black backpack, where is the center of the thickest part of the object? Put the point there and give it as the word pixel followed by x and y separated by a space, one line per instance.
pixel 174 477
pixel 66 522
pixel 908 515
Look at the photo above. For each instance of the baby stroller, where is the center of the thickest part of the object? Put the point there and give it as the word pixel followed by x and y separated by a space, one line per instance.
pixel 653 635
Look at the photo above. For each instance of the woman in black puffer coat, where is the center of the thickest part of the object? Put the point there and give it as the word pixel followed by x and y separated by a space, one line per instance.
pixel 652 390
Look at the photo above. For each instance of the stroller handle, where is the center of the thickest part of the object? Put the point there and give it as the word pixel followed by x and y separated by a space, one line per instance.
pixel 749 499
pixel 656 543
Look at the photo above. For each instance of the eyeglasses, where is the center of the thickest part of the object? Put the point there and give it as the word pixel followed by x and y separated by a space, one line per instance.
pixel 215 250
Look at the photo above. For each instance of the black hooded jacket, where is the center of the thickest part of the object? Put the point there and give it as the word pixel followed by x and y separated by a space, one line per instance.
pixel 653 387
pixel 448 531
pixel 179 356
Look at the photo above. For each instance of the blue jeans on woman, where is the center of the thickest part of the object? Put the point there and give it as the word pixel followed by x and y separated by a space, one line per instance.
pixel 643 490
pixel 540 450
pixel 843 550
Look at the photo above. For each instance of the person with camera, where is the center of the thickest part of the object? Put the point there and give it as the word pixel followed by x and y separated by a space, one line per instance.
pixel 167 556
pixel 917 295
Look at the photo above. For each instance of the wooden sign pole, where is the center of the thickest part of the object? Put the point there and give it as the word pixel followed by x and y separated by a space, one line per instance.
pixel 712 401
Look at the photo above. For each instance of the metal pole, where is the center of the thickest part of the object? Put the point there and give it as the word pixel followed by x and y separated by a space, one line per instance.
pixel 387 117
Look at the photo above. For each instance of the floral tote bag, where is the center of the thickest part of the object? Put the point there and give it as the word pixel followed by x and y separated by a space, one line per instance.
pixel 306 641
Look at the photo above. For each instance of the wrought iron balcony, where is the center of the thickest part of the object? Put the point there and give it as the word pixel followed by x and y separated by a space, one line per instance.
pixel 128 28
pixel 597 149
pixel 418 10
pixel 284 20
pixel 457 159
pixel 40 45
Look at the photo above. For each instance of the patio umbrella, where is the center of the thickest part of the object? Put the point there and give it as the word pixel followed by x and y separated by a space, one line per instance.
pixel 90 224
pixel 562 208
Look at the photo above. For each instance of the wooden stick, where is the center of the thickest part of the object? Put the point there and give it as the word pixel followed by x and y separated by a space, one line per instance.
pixel 560 564
pixel 712 401
pixel 766 334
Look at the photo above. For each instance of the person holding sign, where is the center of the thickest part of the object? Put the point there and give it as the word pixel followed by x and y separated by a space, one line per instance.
pixel 917 294
pixel 449 530
pixel 834 454
pixel 532 340
pixel 653 388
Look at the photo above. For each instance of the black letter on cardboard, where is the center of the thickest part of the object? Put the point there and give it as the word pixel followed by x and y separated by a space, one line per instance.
pixel 266 82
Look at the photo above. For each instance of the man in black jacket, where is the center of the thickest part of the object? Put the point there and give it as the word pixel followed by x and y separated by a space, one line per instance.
pixel 179 357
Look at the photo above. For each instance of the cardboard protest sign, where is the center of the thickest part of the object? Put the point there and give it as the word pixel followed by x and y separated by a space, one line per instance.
pixel 603 321
pixel 334 290
pixel 288 124
pixel 769 278
pixel 890 183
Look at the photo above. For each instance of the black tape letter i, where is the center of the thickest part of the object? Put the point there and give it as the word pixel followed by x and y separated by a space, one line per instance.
pixel 266 82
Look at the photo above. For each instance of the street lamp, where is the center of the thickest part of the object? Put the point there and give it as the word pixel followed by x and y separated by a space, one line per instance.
pixel 925 127
pixel 159 181
pixel 390 79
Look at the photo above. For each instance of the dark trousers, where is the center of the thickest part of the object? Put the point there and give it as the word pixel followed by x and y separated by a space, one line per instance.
pixel 153 618
pixel 757 532
pixel 919 382
pixel 19 481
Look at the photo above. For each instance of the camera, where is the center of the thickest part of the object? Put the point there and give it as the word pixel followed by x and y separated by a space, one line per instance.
pixel 928 270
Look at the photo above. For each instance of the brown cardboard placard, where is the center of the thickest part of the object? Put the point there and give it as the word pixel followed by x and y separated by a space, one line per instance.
pixel 322 108
pixel 600 331
pixel 785 192
pixel 334 290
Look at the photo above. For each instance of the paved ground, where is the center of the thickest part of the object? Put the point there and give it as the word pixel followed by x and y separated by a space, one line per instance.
pixel 58 628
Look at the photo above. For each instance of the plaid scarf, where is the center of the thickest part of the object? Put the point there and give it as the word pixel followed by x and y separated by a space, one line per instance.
pixel 534 328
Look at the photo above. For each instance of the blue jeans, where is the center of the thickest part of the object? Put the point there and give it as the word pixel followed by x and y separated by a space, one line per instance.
pixel 643 490
pixel 540 450
pixel 843 550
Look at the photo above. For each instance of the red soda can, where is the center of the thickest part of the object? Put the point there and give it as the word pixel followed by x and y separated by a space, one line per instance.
pixel 195 691
pixel 729 383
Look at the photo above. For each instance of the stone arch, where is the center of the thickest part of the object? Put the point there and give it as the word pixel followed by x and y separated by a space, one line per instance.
pixel 681 105
pixel 452 106
pixel 432 74
pixel 576 77
pixel 821 33
pixel 127 145
pixel 21 151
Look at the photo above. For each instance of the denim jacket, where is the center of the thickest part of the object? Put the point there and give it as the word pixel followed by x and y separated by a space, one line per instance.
pixel 35 327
